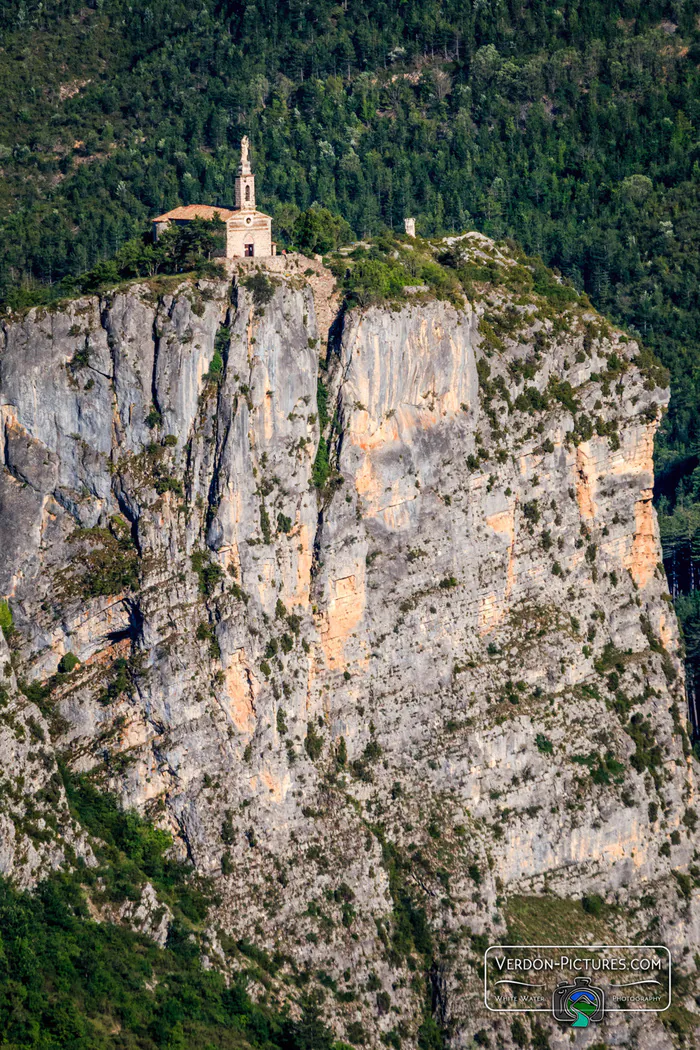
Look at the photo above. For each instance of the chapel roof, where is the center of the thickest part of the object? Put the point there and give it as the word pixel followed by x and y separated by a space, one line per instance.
pixel 195 211
pixel 205 211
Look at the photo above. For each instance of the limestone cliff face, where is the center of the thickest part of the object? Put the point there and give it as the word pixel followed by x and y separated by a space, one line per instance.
pixel 441 683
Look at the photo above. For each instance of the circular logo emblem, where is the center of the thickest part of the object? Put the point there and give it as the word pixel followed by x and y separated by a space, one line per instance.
pixel 583 1003
pixel 578 1004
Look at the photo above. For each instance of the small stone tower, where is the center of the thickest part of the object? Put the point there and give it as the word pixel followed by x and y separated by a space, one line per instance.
pixel 245 180
pixel 410 227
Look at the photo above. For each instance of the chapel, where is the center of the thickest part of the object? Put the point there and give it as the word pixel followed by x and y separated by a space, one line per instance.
pixel 248 231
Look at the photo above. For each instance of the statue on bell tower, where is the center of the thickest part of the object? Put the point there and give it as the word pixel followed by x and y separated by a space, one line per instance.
pixel 245 180
pixel 244 168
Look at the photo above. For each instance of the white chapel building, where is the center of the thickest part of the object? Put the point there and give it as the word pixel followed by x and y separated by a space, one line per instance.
pixel 248 231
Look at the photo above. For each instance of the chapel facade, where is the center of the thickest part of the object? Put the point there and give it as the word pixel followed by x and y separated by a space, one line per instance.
pixel 248 231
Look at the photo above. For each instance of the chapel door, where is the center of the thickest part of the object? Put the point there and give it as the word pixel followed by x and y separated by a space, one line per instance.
pixel 249 250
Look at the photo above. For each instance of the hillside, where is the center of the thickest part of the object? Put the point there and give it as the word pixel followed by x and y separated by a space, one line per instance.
pixel 362 609
pixel 573 129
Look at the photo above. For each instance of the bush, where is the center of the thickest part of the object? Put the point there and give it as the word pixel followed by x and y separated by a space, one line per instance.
pixel 531 400
pixel 6 622
pixel 108 562
pixel 429 1035
pixel 318 230
pixel 518 1033
pixel 209 573
pixel 531 511
pixel 284 524
pixel 153 419
pixel 593 905
pixel 564 394
pixel 690 819
pixel 68 663
pixel 372 281
pixel 168 483
pixel 261 287
pixel 322 466
pixel 313 743
pixel 216 368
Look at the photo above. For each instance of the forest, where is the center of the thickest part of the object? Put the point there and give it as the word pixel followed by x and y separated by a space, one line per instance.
pixel 574 129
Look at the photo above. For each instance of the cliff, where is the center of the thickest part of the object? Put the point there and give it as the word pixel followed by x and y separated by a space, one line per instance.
pixel 374 622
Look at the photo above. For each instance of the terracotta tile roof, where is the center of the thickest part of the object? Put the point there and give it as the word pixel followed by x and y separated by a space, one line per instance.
pixel 195 211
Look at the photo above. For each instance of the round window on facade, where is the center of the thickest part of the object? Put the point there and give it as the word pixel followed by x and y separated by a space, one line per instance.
pixel 248 221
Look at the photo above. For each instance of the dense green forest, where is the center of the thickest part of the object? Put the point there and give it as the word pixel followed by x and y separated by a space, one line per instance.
pixel 574 128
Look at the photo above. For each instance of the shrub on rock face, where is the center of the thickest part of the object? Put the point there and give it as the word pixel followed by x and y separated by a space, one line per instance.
pixel 6 622
pixel 518 1033
pixel 322 467
pixel 106 563
pixel 593 905
pixel 531 511
pixel 68 663
pixel 261 287
pixel 216 368
pixel 313 743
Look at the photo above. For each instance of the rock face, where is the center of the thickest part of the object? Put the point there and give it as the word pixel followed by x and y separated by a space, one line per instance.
pixel 382 638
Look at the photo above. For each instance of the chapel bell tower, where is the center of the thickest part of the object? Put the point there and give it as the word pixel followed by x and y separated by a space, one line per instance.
pixel 245 180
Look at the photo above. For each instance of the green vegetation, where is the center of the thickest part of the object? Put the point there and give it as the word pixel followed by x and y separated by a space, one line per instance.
pixel 6 622
pixel 284 523
pixel 540 920
pixel 131 852
pixel 602 769
pixel 317 230
pixel 321 470
pixel 313 742
pixel 70 983
pixel 181 249
pixel 208 572
pixel 221 344
pixel 68 663
pixel 121 681
pixel 648 754
pixel 107 563
pixel 388 269
pixel 261 287
pixel 411 937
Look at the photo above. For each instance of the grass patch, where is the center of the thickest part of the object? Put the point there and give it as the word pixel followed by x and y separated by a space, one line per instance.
pixel 552 920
